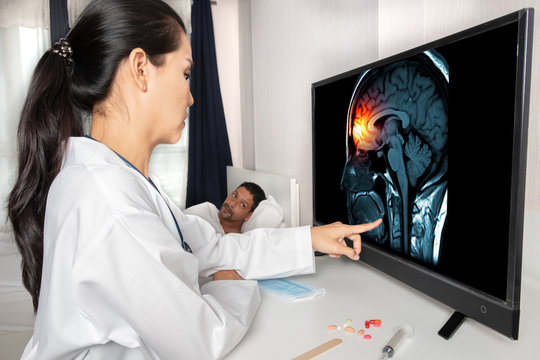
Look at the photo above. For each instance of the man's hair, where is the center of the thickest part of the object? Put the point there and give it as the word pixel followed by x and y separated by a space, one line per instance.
pixel 256 191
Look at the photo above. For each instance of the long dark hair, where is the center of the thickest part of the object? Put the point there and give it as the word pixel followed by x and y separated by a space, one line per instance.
pixel 63 88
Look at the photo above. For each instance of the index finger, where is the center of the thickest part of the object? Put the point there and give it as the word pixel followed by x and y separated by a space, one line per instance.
pixel 360 228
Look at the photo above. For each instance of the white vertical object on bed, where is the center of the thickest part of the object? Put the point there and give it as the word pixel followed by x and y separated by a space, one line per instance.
pixel 285 190
pixel 295 203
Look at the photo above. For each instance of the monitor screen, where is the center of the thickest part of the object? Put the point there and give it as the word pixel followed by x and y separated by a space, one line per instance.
pixel 433 142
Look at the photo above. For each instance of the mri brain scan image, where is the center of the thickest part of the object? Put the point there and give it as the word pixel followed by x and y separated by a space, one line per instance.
pixel 397 159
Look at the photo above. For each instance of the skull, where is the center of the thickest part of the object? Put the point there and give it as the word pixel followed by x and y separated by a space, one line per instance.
pixel 397 131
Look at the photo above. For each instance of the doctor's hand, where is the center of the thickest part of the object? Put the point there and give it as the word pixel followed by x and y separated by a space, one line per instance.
pixel 330 238
pixel 226 275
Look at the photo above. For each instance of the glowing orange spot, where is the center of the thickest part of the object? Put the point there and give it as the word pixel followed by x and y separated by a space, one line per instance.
pixel 363 132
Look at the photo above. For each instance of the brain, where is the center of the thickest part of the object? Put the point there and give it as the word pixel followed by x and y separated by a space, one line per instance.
pixel 396 153
pixel 402 95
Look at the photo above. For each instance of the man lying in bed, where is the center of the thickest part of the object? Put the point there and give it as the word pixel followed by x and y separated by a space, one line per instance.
pixel 238 209
pixel 235 213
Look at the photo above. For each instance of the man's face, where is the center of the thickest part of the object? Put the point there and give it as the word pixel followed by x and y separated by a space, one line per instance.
pixel 237 206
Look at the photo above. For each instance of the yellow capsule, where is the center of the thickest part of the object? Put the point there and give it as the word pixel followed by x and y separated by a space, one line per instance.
pixel 331 327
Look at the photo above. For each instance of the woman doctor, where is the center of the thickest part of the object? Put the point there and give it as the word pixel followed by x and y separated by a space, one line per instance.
pixel 111 263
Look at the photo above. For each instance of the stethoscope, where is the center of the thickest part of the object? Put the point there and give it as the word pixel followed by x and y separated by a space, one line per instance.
pixel 185 245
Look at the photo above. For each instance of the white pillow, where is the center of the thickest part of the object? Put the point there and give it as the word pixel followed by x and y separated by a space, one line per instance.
pixel 268 214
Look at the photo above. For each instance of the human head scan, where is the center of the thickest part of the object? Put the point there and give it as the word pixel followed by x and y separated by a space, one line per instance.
pixel 397 132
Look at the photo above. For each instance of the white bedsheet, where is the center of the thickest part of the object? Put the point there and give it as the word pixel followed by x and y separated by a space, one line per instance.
pixel 16 313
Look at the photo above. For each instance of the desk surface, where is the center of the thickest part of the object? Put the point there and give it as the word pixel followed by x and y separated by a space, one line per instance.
pixel 358 292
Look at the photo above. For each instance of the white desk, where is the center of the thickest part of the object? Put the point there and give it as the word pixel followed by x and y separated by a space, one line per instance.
pixel 356 291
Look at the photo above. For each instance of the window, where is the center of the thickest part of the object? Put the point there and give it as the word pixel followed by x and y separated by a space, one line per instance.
pixel 169 165
pixel 21 49
pixel 24 37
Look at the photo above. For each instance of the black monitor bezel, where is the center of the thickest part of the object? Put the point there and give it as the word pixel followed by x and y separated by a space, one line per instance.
pixel 500 315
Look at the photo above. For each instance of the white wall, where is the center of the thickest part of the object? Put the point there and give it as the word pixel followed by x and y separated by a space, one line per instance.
pixel 226 33
pixel 292 45
pixel 297 42
pixel 246 84
pixel 421 21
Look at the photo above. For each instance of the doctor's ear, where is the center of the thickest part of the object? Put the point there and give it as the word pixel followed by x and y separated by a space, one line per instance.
pixel 138 68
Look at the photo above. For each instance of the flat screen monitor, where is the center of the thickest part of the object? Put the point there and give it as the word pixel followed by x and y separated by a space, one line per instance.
pixel 433 141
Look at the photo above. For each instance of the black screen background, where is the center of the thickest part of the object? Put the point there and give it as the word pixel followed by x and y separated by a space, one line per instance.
pixel 474 248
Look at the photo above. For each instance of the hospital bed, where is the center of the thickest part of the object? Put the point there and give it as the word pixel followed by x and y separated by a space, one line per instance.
pixel 283 189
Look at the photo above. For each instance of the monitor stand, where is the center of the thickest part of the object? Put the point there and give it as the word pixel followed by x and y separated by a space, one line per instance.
pixel 452 325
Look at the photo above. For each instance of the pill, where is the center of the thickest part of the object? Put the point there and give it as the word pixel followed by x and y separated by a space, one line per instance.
pixel 367 324
pixel 331 327
pixel 377 325
pixel 361 332
pixel 367 337
pixel 348 321
pixel 349 329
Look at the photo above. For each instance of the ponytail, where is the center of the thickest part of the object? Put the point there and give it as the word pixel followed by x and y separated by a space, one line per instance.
pixel 47 121
pixel 72 77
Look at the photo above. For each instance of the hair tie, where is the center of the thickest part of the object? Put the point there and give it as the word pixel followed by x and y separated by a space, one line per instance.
pixel 62 48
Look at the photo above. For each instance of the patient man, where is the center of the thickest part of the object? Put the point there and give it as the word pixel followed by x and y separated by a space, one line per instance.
pixel 235 210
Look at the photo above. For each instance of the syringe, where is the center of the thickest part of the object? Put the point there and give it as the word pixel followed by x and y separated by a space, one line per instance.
pixel 402 333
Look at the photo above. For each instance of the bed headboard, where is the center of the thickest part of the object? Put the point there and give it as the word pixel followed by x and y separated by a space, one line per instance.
pixel 283 189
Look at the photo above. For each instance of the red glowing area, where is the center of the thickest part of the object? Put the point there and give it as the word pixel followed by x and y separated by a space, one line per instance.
pixel 363 131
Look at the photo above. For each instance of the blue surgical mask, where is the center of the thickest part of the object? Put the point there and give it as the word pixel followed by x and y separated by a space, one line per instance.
pixel 289 290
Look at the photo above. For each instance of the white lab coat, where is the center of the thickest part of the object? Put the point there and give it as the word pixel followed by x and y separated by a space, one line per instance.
pixel 116 282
